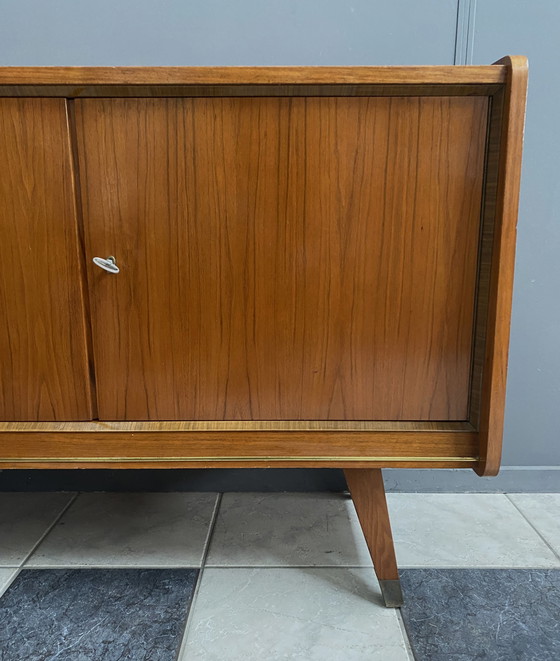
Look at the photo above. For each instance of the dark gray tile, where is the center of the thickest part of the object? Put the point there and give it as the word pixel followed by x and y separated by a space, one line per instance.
pixel 101 614
pixel 486 614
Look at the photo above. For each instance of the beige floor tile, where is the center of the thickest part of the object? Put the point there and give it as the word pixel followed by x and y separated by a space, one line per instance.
pixel 287 529
pixel 464 530
pixel 129 530
pixel 543 511
pixel 24 518
pixel 292 613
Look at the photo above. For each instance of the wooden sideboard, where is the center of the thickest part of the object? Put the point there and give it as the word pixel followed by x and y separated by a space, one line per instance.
pixel 259 267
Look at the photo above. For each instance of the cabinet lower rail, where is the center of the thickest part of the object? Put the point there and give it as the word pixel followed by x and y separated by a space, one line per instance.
pixel 239 449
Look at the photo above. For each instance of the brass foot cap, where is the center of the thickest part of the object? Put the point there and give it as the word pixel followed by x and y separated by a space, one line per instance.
pixel 392 593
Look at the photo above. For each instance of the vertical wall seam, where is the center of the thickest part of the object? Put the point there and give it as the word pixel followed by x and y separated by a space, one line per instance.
pixel 469 52
pixel 464 33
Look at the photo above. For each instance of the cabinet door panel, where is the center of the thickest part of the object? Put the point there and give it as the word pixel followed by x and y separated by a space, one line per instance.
pixel 304 258
pixel 44 372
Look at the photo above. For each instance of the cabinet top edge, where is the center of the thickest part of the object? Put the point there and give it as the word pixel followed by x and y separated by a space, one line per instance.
pixel 280 75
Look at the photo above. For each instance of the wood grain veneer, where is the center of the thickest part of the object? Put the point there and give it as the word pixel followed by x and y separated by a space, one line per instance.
pixel 43 358
pixel 297 243
pixel 368 493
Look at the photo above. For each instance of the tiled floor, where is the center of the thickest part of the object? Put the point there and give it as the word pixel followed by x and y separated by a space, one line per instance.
pixel 269 576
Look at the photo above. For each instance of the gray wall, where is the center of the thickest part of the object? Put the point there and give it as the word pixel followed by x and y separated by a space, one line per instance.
pixel 226 32
pixel 265 32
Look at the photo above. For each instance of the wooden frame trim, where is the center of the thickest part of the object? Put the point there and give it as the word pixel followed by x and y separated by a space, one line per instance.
pixel 241 444
pixel 500 288
pixel 291 75
pixel 240 448
pixel 83 82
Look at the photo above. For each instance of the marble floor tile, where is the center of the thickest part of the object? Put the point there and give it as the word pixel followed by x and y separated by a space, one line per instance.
pixel 287 529
pixel 6 576
pixel 93 614
pixel 24 518
pixel 543 511
pixel 464 530
pixel 129 530
pixel 292 613
pixel 489 614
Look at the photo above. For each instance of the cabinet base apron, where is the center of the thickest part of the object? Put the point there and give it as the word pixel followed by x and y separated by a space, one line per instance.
pixel 237 444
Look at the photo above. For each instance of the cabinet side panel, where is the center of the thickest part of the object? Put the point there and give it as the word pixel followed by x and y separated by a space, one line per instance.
pixel 501 267
pixel 43 357
pixel 283 258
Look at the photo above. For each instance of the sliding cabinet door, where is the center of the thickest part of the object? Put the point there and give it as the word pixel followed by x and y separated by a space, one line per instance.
pixel 282 258
pixel 44 372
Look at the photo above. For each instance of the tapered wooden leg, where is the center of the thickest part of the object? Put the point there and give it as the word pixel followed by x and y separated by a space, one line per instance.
pixel 368 493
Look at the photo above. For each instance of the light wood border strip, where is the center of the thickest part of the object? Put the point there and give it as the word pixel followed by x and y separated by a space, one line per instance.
pixel 116 463
pixel 237 426
pixel 493 391
pixel 414 75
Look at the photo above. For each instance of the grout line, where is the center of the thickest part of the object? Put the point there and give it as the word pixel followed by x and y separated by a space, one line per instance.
pixel 257 566
pixel 407 641
pixel 476 566
pixel 188 620
pixel 110 566
pixel 403 567
pixel 553 550
pixel 213 521
pixel 49 529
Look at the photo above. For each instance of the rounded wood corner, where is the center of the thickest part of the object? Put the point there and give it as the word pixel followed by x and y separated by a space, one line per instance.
pixel 516 62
